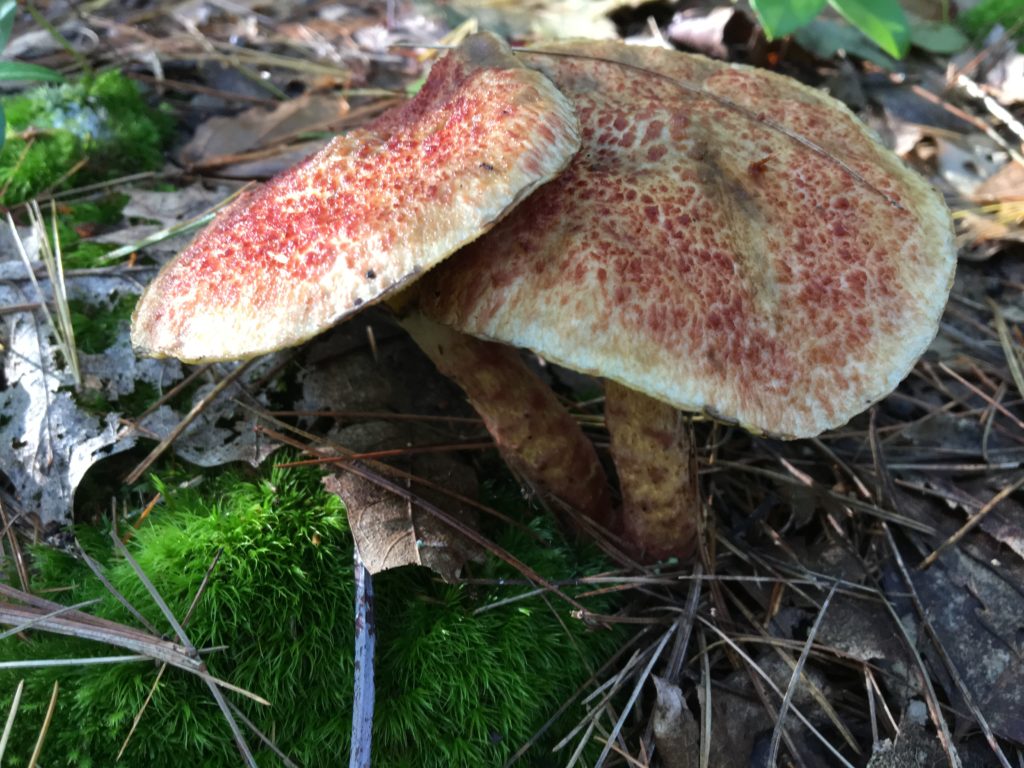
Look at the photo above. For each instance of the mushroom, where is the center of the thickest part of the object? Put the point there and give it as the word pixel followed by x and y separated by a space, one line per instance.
pixel 362 219
pixel 727 240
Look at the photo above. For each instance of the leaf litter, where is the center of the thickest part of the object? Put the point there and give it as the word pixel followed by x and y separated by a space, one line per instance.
pixel 897 651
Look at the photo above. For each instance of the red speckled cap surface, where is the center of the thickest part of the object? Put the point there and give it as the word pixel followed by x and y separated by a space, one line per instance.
pixel 365 215
pixel 696 253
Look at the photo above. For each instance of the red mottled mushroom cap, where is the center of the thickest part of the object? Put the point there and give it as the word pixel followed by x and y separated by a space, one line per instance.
pixel 695 252
pixel 364 216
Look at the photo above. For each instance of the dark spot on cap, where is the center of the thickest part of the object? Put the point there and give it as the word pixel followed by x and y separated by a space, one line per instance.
pixel 487 166
pixel 357 302
pixel 370 274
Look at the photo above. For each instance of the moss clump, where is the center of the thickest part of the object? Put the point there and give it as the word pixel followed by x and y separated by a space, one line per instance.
pixel 78 133
pixel 454 688
pixel 97 327
pixel 78 221
pixel 979 20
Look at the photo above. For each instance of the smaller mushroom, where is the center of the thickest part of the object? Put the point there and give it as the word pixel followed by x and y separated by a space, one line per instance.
pixel 727 240
pixel 364 218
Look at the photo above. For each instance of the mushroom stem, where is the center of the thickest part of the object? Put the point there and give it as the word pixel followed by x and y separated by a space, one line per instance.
pixel 652 446
pixel 536 436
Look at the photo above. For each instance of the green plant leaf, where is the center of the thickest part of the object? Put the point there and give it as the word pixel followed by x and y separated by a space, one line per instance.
pixel 827 37
pixel 8 9
pixel 3 126
pixel 781 17
pixel 20 70
pixel 883 21
pixel 936 36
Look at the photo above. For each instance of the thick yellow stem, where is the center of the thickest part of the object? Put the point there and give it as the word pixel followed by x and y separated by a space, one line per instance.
pixel 652 448
pixel 536 436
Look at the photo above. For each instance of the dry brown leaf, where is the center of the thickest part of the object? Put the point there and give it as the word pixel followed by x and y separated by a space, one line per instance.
pixel 391 532
pixel 220 138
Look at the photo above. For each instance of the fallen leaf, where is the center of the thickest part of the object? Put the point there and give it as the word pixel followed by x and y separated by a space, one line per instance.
pixel 390 531
pixel 173 207
pixel 227 137
pixel 973 597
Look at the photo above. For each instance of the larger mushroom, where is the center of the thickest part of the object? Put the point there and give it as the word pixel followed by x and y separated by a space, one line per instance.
pixel 368 215
pixel 727 240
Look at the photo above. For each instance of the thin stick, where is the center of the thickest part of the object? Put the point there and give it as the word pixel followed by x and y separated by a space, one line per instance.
pixel 97 571
pixel 931 698
pixel 11 714
pixel 16 553
pixel 163 668
pixel 971 524
pixel 285 760
pixel 361 470
pixel 39 619
pixel 366 641
pixel 198 408
pixel 773 751
pixel 154 593
pixel 46 725
pixel 79 662
pixel 771 684
pixel 705 715
pixel 1013 357
pixel 946 660
pixel 617 729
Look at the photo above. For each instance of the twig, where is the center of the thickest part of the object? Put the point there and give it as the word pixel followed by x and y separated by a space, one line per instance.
pixel 972 523
pixel 97 571
pixel 358 468
pixel 198 408
pixel 154 594
pixel 773 752
pixel 366 640
pixel 764 676
pixel 931 699
pixel 557 714
pixel 46 725
pixel 82 661
pixel 28 624
pixel 240 742
pixel 635 695
pixel 677 656
pixel 705 715
pixel 16 553
pixel 946 660
pixel 1012 353
pixel 11 715
pixel 285 760
pixel 163 668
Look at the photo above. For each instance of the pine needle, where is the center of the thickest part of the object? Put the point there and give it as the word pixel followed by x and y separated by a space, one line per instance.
pixel 50 254
pixel 9 725
pixel 46 725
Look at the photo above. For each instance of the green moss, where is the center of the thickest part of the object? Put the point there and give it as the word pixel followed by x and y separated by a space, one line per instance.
pixel 454 688
pixel 97 327
pixel 77 221
pixel 95 401
pixel 78 133
pixel 979 20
